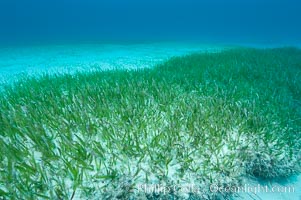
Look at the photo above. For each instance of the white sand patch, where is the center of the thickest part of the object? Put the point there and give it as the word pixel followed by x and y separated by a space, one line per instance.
pixel 38 60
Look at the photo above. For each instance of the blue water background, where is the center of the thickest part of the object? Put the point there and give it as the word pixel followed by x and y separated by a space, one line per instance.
pixel 211 21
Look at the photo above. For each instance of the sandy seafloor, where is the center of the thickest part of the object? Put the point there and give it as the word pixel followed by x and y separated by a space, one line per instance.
pixel 16 62
pixel 36 60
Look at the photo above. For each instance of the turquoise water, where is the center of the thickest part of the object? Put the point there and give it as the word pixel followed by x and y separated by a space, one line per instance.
pixel 71 58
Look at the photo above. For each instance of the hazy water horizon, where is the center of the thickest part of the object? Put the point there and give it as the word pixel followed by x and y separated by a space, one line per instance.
pixel 215 21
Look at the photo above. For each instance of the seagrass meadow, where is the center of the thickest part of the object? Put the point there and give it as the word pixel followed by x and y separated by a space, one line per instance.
pixel 201 119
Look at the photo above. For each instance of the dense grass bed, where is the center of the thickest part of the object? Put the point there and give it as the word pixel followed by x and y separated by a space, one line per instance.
pixel 202 119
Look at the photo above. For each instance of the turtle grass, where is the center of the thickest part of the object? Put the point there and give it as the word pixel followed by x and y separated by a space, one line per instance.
pixel 203 119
